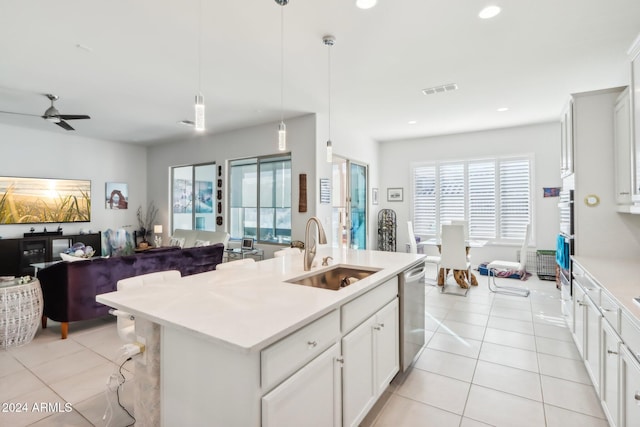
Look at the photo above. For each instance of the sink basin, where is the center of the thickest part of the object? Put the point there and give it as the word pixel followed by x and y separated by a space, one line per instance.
pixel 335 278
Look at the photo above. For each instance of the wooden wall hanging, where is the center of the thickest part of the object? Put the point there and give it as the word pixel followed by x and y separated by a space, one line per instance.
pixel 302 204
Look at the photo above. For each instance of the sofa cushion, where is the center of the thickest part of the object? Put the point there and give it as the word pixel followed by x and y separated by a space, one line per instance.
pixel 191 236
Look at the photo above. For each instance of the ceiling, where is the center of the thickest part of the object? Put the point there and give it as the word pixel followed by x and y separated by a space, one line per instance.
pixel 133 65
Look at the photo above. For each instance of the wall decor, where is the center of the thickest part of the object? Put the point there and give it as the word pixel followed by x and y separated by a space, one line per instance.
pixel 374 196
pixel 116 195
pixel 219 170
pixel 219 194
pixel 44 200
pixel 219 220
pixel 551 191
pixel 302 203
pixel 219 183
pixel 204 193
pixel 395 194
pixel 325 191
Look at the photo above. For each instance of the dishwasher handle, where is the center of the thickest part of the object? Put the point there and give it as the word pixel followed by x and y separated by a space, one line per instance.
pixel 416 272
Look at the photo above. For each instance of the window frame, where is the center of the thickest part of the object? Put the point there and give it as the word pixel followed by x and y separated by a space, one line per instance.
pixel 497 161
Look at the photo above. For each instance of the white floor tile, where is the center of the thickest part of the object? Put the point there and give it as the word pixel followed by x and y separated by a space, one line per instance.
pixel 503 409
pixel 17 384
pixel 84 385
pixel 31 409
pixel 511 339
pixel 509 356
pixel 93 409
pixel 465 317
pixel 557 348
pixel 551 331
pixel 71 419
pixel 75 363
pixel 436 390
pixel 40 352
pixel 402 412
pixel 570 395
pixel 468 422
pixel 447 364
pixel 511 313
pixel 509 380
pixel 464 330
pixel 9 364
pixel 522 326
pixel 470 306
pixel 558 417
pixel 563 368
pixel 457 345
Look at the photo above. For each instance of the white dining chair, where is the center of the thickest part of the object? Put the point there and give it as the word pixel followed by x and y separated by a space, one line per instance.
pixel 413 248
pixel 239 263
pixel 126 321
pixel 453 256
pixel 287 252
pixel 510 266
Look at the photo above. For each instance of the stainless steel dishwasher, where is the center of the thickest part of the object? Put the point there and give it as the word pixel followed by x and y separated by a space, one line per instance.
pixel 411 314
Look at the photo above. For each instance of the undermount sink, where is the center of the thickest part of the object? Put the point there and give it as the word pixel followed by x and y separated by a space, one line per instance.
pixel 335 278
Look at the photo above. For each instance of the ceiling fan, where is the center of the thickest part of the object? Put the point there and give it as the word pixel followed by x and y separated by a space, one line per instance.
pixel 53 115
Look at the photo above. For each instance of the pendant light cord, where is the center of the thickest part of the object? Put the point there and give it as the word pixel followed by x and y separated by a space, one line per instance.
pixel 200 47
pixel 282 63
pixel 329 86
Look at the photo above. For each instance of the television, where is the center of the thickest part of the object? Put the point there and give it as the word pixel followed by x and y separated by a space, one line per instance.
pixel 44 200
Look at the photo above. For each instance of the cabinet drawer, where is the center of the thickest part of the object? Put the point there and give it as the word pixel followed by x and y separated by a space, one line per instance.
pixel 610 311
pixel 356 311
pixel 630 334
pixel 281 359
pixel 591 288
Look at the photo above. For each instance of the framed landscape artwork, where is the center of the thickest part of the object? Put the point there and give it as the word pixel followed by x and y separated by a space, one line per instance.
pixel 44 200
pixel 394 194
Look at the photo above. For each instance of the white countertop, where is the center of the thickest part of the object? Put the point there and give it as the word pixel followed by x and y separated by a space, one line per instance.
pixel 250 308
pixel 619 278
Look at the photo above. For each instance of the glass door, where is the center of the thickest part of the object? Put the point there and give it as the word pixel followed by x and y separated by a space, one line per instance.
pixel 349 201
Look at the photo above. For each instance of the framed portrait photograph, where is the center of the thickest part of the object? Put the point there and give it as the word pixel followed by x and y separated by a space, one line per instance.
pixel 395 194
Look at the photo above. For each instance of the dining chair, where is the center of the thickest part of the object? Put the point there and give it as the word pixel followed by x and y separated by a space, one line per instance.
pixel 125 321
pixel 239 263
pixel 287 252
pixel 413 248
pixel 453 256
pixel 510 266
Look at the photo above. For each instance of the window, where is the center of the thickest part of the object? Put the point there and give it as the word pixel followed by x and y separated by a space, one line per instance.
pixel 492 194
pixel 260 199
pixel 192 197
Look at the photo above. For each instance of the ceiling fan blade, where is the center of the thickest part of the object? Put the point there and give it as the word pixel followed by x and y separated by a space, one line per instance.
pixel 19 114
pixel 73 116
pixel 64 125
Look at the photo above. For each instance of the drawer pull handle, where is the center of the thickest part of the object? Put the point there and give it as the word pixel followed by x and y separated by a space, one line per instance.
pixel 377 328
pixel 340 361
pixel 637 396
pixel 611 351
pixel 312 344
pixel 580 303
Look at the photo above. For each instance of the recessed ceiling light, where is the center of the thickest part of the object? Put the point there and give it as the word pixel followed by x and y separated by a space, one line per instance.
pixel 366 4
pixel 489 12
pixel 412 122
pixel 502 109
pixel 439 89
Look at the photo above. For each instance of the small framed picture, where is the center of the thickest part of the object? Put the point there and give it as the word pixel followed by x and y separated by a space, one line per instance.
pixel 395 194
pixel 374 196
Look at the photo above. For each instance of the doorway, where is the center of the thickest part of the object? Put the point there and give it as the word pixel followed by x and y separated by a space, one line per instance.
pixel 349 203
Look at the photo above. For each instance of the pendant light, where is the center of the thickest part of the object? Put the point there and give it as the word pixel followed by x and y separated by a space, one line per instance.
pixel 282 128
pixel 329 41
pixel 199 106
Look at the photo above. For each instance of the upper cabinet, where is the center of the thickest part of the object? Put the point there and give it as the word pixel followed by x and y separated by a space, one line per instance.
pixel 623 154
pixel 634 119
pixel 566 140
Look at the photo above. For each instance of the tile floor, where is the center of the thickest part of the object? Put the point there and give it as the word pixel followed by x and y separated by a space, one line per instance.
pixel 493 360
pixel 490 360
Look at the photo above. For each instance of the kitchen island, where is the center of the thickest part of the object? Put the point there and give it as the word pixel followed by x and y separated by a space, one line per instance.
pixel 244 347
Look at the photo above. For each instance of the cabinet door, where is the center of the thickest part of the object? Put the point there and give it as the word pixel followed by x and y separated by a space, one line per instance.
pixel 629 389
pixel 358 385
pixel 566 141
pixel 579 305
pixel 592 343
pixel 387 351
pixel 310 397
pixel 623 150
pixel 610 374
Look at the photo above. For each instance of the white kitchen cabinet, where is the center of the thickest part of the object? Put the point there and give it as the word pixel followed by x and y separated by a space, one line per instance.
pixel 610 380
pixel 312 394
pixel 371 359
pixel 634 57
pixel 623 149
pixel 579 316
pixel 592 342
pixel 566 140
pixel 629 389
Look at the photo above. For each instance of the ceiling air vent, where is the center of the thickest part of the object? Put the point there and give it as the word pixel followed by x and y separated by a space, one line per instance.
pixel 440 89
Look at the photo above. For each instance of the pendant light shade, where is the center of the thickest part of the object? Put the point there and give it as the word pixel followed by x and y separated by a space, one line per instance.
pixel 282 128
pixel 199 110
pixel 329 152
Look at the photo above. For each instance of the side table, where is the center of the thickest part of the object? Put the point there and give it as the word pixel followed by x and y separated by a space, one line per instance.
pixel 20 312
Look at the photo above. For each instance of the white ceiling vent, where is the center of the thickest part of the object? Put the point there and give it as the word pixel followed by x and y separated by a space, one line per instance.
pixel 440 89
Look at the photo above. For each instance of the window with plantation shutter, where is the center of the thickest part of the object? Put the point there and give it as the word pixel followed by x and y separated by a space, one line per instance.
pixel 493 195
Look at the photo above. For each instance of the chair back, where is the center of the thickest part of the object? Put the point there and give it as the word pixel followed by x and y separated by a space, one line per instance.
pixel 454 248
pixel 413 246
pixel 239 263
pixel 465 224
pixel 287 252
pixel 523 249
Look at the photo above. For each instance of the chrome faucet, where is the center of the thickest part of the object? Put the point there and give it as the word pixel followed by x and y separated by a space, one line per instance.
pixel 310 248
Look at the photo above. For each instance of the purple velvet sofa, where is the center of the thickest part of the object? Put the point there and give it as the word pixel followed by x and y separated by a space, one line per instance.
pixel 70 288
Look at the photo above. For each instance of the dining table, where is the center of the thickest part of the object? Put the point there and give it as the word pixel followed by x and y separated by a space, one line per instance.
pixel 460 276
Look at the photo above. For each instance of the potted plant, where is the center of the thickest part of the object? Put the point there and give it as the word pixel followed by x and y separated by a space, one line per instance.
pixel 145 222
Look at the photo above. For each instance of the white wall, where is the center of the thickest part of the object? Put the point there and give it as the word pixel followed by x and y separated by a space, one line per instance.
pixel 220 148
pixel 68 155
pixel 542 140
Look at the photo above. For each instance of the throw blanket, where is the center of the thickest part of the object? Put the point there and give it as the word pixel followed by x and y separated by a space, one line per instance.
pixel 563 258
